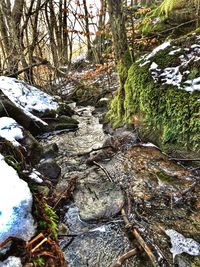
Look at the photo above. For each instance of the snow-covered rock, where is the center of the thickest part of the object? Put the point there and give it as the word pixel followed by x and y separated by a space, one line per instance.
pixel 28 98
pixel 15 205
pixel 178 72
pixel 11 130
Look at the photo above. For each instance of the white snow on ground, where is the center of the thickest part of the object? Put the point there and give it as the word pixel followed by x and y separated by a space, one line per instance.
pixel 27 97
pixel 11 130
pixel 175 75
pixel 36 176
pixel 15 205
pixel 11 262
pixel 182 244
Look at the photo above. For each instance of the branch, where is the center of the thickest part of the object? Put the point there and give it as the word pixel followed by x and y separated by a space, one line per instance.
pixel 104 170
pixel 140 240
pixel 44 62
pixel 124 257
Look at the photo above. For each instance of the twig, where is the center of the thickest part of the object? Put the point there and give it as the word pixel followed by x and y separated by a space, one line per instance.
pixel 124 257
pixel 140 240
pixel 104 170
pixel 44 62
pixel 177 159
pixel 70 187
pixel 92 150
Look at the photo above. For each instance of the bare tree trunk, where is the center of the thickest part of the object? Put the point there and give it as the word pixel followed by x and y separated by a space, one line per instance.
pixel 122 53
pixel 89 47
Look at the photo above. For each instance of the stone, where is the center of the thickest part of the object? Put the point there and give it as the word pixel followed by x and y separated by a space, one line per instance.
pixel 98 247
pixel 97 201
pixel 50 151
pixel 50 169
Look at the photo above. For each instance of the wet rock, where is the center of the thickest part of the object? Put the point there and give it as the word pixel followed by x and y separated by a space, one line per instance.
pixel 50 151
pixel 50 169
pixel 33 149
pixel 98 201
pixel 65 109
pixel 163 194
pixel 98 247
pixel 61 123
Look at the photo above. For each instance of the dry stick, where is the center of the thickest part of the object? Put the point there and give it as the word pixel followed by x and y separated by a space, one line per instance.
pixel 92 150
pixel 104 170
pixel 140 240
pixel 66 191
pixel 124 257
pixel 176 159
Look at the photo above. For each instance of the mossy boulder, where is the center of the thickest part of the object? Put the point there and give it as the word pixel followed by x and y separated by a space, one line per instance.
pixel 162 97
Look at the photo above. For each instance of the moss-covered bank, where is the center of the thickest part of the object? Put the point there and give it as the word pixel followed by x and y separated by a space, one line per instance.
pixel 163 113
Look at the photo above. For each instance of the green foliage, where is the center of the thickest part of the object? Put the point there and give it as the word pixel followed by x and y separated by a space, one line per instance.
pixel 46 217
pixel 167 6
pixel 12 161
pixel 52 222
pixel 39 262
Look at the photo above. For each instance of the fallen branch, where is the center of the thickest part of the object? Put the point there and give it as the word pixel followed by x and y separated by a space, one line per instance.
pixel 65 193
pixel 92 150
pixel 140 240
pixel 44 62
pixel 124 257
pixel 104 170
pixel 177 159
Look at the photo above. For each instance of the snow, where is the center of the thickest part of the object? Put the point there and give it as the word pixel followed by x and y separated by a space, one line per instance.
pixel 175 75
pixel 36 176
pixel 173 52
pixel 154 52
pixel 182 244
pixel 27 97
pixel 148 145
pixel 11 130
pixel 11 262
pixel 15 205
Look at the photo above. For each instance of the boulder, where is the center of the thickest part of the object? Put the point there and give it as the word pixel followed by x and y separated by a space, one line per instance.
pixel 162 97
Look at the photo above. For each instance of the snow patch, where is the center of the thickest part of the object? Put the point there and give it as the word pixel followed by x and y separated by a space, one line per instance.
pixel 182 244
pixel 154 52
pixel 15 205
pixel 11 130
pixel 175 75
pixel 11 262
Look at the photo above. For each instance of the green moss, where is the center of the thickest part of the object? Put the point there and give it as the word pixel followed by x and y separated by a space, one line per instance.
pixel 170 116
pixel 165 178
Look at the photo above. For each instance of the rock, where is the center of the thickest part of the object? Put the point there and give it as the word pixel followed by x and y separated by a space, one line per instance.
pixel 65 109
pixel 50 151
pixel 34 150
pixel 97 201
pixel 7 108
pixel 50 169
pixel 98 247
pixel 11 262
pixel 161 97
pixel 61 123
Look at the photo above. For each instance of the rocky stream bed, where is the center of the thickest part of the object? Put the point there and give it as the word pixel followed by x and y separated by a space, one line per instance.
pixel 122 202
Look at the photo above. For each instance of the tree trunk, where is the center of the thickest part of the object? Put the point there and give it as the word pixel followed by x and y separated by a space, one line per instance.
pixel 122 53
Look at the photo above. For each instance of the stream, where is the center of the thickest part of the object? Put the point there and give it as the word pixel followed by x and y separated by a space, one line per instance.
pixel 159 197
